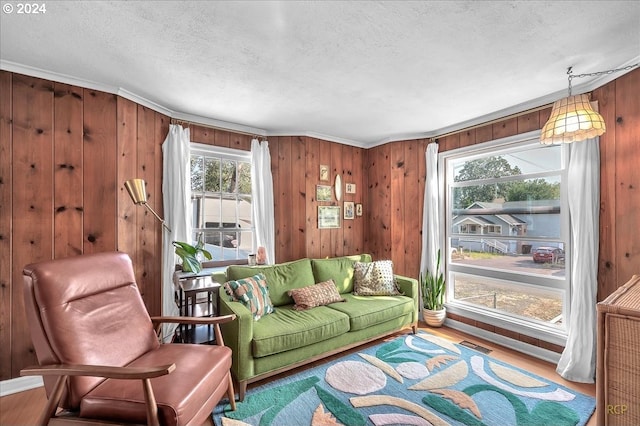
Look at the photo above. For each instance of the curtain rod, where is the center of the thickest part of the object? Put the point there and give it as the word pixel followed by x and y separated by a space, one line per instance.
pixel 209 126
pixel 497 120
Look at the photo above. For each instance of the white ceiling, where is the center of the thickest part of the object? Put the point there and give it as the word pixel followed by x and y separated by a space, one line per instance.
pixel 361 73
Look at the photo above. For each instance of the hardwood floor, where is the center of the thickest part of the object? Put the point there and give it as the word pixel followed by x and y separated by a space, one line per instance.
pixel 23 408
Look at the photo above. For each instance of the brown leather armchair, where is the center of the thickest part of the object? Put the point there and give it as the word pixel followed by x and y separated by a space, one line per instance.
pixel 99 352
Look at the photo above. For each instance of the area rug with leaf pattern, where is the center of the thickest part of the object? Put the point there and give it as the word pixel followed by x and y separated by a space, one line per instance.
pixel 416 379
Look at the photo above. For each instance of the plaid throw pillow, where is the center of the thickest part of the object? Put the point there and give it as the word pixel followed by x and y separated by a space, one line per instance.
pixel 375 279
pixel 315 295
pixel 253 293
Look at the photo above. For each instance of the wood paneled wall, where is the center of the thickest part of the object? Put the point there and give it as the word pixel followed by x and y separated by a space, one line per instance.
pixel 396 176
pixel 65 153
pixel 295 166
pixel 619 254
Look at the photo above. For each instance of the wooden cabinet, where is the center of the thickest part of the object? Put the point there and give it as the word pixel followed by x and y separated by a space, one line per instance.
pixel 618 358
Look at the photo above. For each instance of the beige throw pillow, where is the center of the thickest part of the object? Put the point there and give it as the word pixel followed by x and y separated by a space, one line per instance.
pixel 375 279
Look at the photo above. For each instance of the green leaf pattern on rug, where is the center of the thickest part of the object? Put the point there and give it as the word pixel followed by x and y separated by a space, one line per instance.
pixel 544 412
pixel 389 352
pixel 271 403
pixel 447 407
pixel 340 410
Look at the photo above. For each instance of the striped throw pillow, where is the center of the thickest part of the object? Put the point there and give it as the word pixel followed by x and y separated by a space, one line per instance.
pixel 253 293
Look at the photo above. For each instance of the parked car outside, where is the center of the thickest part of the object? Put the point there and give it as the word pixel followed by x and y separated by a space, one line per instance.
pixel 548 255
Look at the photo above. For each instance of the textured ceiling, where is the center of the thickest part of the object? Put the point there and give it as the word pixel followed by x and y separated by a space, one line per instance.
pixel 355 72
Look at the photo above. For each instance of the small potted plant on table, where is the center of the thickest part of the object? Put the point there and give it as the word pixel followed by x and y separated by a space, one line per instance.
pixel 189 255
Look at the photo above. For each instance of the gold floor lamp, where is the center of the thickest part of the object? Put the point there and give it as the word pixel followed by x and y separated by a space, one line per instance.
pixel 138 194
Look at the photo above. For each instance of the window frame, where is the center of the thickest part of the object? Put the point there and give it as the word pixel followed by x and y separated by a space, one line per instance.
pixel 555 335
pixel 221 153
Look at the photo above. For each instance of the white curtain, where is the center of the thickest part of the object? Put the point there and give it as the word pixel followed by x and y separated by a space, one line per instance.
pixel 431 212
pixel 176 193
pixel 262 199
pixel 578 360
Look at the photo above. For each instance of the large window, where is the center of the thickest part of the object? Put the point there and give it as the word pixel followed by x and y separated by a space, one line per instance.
pixel 221 197
pixel 507 233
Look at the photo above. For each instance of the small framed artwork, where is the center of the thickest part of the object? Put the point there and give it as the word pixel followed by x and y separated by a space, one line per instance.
pixel 328 217
pixel 349 209
pixel 358 209
pixel 323 193
pixel 324 173
pixel 350 188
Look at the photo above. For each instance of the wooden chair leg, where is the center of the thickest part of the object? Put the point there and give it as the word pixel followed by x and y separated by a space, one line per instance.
pixel 231 393
pixel 152 407
pixel 52 403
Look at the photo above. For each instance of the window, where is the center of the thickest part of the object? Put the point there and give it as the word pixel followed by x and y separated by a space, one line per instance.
pixel 507 223
pixel 221 201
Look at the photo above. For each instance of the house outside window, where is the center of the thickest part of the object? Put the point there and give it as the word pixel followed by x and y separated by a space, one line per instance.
pixel 503 200
pixel 221 201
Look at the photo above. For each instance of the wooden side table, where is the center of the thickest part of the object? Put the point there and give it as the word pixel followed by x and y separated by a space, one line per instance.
pixel 188 287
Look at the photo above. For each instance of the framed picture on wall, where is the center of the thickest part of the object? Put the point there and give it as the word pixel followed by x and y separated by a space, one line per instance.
pixel 324 173
pixel 328 217
pixel 349 210
pixel 358 209
pixel 323 193
pixel 350 188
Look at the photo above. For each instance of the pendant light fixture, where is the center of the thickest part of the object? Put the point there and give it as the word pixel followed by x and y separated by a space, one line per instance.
pixel 572 118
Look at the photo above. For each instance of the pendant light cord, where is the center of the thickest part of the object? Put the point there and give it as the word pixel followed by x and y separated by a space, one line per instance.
pixel 595 74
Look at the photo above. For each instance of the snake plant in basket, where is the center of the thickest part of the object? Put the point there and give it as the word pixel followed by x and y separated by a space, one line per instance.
pixel 433 287
pixel 189 256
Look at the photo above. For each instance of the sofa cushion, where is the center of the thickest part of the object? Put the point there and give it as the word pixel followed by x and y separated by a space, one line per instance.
pixel 253 293
pixel 339 269
pixel 281 277
pixel 367 311
pixel 374 279
pixel 288 329
pixel 315 295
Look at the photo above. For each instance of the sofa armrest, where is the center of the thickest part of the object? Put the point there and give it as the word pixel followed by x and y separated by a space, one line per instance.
pixel 219 277
pixel 409 286
pixel 238 335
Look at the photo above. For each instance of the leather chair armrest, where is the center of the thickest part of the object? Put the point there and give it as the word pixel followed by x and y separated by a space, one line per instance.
pixel 145 374
pixel 108 372
pixel 215 321
pixel 193 320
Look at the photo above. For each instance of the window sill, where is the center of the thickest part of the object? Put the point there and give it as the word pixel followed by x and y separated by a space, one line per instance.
pixel 547 334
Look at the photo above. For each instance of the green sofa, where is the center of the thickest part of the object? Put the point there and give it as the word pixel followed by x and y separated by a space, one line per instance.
pixel 288 338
